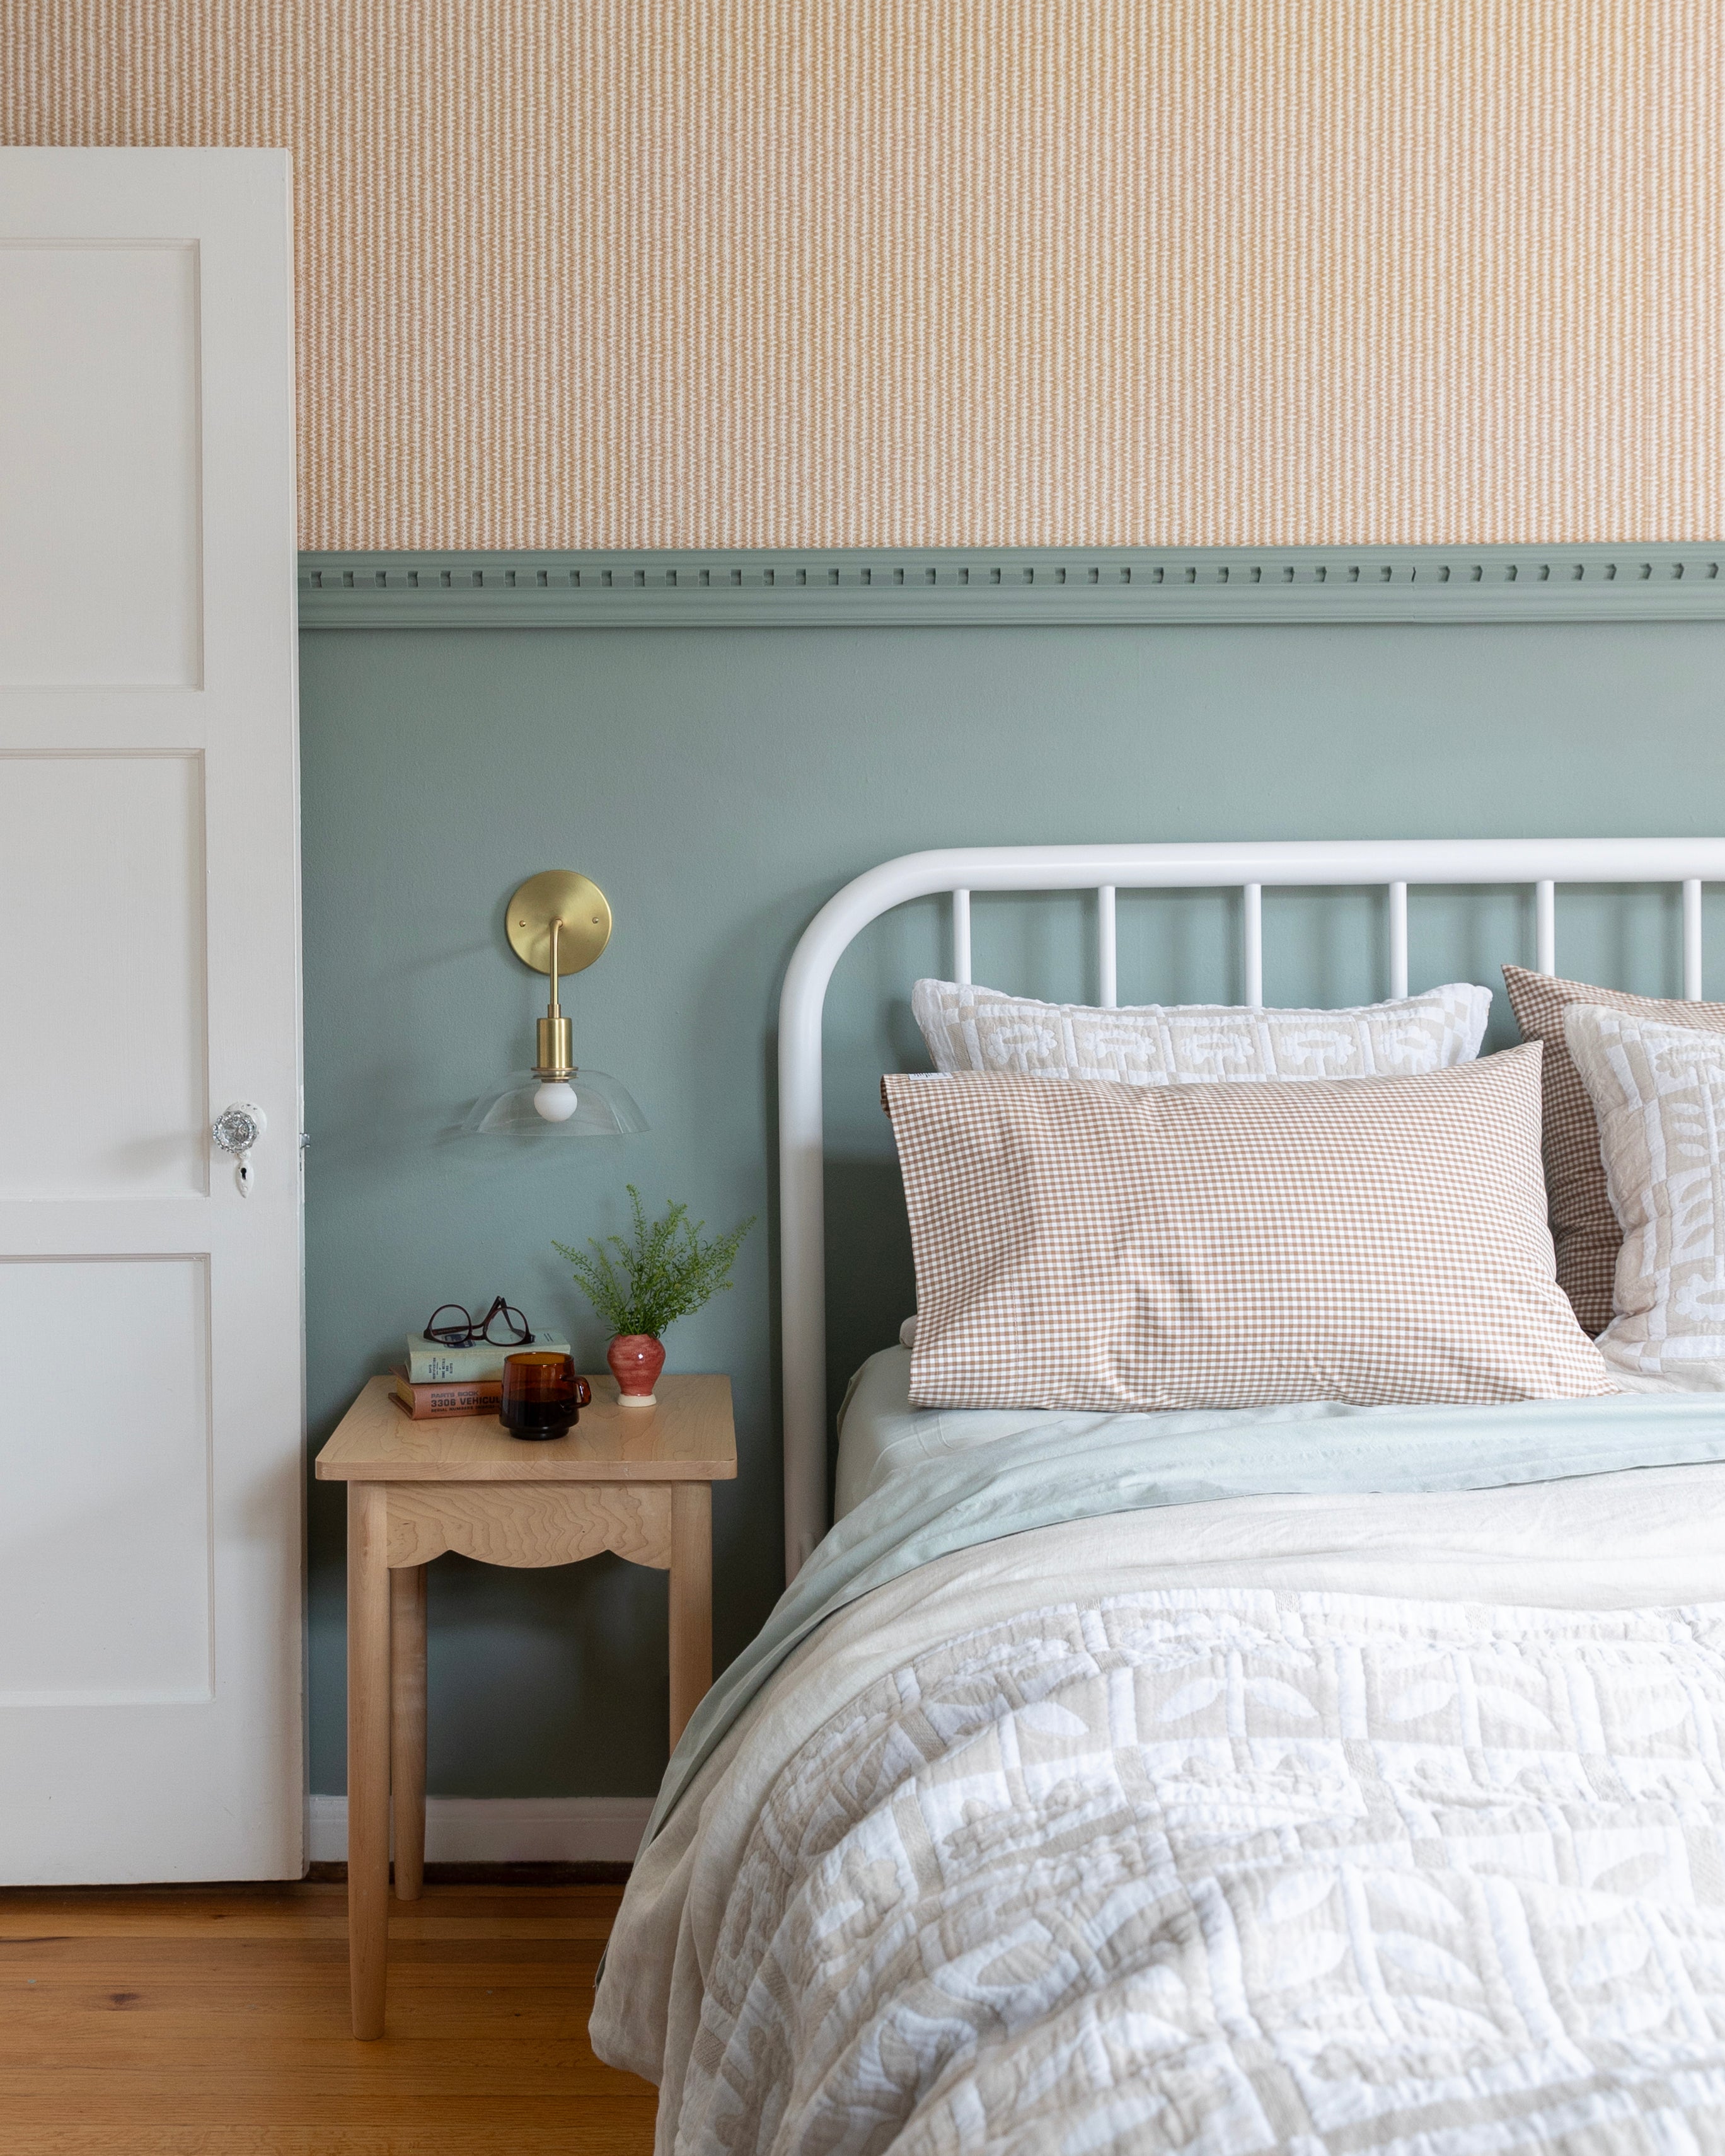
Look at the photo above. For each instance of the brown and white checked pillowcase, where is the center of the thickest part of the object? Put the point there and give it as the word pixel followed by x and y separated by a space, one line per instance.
pixel 1584 1229
pixel 1088 1245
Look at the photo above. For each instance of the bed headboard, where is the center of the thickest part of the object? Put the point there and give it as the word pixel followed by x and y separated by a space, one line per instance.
pixel 1391 864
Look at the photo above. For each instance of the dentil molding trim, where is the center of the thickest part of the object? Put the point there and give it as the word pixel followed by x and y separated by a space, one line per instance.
pixel 957 586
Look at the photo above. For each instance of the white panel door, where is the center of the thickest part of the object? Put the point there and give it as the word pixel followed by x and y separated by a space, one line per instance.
pixel 151 1412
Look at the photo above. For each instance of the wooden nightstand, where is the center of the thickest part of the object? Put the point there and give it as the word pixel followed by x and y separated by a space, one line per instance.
pixel 638 1481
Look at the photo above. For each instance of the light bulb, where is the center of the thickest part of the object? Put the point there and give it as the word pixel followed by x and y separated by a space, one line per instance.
pixel 555 1101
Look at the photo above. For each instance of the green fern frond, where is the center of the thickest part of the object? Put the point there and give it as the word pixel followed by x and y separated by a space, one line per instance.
pixel 664 1272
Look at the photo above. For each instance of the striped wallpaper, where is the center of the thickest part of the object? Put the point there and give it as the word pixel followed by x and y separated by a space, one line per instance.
pixel 755 273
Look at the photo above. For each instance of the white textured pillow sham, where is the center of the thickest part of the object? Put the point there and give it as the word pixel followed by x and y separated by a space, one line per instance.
pixel 1659 1098
pixel 1115 1249
pixel 972 1028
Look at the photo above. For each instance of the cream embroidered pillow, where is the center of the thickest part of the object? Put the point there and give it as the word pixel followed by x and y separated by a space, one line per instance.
pixel 1117 1248
pixel 1658 1092
pixel 971 1029
pixel 1583 1225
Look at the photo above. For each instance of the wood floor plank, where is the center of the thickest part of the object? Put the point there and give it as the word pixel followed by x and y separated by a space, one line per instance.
pixel 321 2066
pixel 213 2022
pixel 206 2108
pixel 452 1961
pixel 173 2013
pixel 606 2128
pixel 409 1920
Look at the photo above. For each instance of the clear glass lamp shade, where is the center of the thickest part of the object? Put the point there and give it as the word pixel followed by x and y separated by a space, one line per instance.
pixel 604 1108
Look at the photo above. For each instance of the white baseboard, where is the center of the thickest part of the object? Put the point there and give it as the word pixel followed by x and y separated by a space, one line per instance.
pixel 502 1829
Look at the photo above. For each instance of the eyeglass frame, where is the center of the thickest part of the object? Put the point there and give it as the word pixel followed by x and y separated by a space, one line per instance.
pixel 474 1330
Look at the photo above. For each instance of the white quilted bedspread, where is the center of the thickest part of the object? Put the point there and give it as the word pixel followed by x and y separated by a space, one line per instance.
pixel 1233 1871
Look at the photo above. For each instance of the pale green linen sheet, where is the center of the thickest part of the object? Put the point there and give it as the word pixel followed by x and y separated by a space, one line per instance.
pixel 967 1478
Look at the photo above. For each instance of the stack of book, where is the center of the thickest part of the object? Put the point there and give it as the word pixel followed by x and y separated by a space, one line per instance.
pixel 436 1380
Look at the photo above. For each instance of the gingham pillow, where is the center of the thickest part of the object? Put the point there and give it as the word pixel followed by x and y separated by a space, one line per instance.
pixel 1658 1092
pixel 1583 1225
pixel 1088 1245
pixel 972 1028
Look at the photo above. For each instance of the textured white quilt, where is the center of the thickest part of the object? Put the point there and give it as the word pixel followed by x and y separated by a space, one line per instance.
pixel 1232 1872
pixel 1217 1868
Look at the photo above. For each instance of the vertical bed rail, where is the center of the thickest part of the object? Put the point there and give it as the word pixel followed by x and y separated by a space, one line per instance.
pixel 961 937
pixel 1545 926
pixel 1398 939
pixel 1251 936
pixel 1691 939
pixel 1390 866
pixel 1108 950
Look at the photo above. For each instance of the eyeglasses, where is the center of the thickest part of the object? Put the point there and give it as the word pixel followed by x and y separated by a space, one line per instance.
pixel 444 1329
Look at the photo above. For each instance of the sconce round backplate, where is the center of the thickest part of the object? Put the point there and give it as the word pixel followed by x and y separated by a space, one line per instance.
pixel 559 894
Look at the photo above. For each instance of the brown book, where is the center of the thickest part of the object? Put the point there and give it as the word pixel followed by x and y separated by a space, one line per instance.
pixel 466 1396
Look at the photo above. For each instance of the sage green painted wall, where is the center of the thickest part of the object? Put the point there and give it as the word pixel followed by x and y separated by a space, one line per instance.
pixel 719 785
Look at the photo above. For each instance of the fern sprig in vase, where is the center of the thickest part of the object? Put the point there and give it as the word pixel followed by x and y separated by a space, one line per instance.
pixel 642 1286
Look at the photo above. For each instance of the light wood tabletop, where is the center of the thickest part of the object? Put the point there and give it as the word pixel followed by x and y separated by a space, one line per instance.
pixel 688 1437
pixel 634 1480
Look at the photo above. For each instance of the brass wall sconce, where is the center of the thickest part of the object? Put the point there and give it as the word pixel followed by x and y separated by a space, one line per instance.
pixel 559 923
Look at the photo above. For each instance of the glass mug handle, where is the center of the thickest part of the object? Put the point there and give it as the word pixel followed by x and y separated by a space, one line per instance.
pixel 583 1394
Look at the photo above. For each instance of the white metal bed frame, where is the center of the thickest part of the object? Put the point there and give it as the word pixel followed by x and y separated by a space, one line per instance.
pixel 1390 864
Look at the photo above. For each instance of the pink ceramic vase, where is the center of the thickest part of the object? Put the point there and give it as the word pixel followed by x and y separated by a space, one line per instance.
pixel 636 1359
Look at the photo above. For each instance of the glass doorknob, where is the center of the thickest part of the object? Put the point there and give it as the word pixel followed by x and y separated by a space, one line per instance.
pixel 236 1131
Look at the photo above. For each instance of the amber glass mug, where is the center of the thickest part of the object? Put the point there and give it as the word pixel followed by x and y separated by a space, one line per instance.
pixel 542 1397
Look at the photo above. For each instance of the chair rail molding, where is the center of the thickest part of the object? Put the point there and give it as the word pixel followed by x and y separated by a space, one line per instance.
pixel 807 587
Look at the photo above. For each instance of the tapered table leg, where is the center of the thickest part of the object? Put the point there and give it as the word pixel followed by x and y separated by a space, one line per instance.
pixel 406 1726
pixel 367 1753
pixel 691 1600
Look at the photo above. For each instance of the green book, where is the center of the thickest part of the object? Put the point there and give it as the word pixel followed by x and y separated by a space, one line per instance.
pixel 430 1363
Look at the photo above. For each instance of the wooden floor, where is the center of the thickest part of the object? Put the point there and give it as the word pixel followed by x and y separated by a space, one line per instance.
pixel 212 2021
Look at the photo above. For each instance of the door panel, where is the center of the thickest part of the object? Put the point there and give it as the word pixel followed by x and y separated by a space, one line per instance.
pixel 152 1421
pixel 105 1454
pixel 99 349
pixel 105 1033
